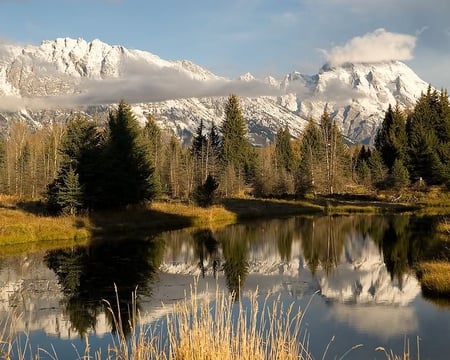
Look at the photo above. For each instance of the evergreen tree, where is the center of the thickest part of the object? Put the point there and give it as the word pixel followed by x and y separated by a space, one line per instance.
pixel 235 147
pixel 214 139
pixel 364 176
pixel 152 133
pixel 399 176
pixel 391 139
pixel 69 194
pixel 81 155
pixel 153 137
pixel 127 165
pixel 199 151
pixel 378 171
pixel 204 194
pixel 443 125
pixel 284 153
pixel 424 139
pixel 311 155
pixel 213 149
pixel 361 165
pixel 199 141
pixel 304 181
pixel 81 149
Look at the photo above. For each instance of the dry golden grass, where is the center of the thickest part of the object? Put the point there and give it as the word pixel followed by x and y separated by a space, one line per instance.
pixel 407 352
pixel 444 227
pixel 351 209
pixel 198 216
pixel 435 277
pixel 203 327
pixel 229 330
pixel 248 208
pixel 18 226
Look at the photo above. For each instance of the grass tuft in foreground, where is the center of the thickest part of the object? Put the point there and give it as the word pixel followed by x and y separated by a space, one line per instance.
pixel 435 278
pixel 231 330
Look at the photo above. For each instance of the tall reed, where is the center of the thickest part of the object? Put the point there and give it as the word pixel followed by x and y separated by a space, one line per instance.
pixel 203 327
pixel 225 328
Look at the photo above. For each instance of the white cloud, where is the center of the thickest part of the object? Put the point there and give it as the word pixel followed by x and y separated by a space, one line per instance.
pixel 377 46
pixel 139 82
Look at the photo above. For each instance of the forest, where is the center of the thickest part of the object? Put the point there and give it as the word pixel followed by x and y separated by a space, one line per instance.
pixel 85 164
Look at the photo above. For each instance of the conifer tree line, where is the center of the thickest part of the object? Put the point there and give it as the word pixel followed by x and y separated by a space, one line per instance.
pixel 411 148
pixel 84 165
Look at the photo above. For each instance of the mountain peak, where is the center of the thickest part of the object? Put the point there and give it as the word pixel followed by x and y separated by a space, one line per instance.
pixel 357 95
pixel 246 77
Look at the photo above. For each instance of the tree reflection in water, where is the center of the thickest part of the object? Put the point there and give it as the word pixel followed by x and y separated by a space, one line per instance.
pixel 207 250
pixel 323 240
pixel 407 240
pixel 88 276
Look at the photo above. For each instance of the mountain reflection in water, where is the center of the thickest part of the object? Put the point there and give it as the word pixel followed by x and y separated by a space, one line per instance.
pixel 360 267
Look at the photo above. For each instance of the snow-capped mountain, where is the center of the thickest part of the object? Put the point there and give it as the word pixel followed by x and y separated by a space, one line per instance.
pixel 67 74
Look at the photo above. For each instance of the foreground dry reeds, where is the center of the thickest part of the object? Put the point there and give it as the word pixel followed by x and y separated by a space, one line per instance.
pixel 231 330
pixel 205 326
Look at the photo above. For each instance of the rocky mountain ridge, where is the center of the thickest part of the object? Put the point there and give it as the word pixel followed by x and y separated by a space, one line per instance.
pixel 50 81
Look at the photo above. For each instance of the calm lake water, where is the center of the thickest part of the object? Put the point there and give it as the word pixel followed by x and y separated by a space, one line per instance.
pixel 354 271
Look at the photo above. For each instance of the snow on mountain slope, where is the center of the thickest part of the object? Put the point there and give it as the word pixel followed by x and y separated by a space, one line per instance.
pixel 357 95
pixel 66 73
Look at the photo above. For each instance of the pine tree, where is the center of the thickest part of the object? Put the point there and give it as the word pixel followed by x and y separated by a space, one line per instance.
pixel 82 149
pixel 364 176
pixel 399 176
pixel 213 149
pixel 152 133
pixel 127 164
pixel 153 137
pixel 199 151
pixel 378 171
pixel 214 140
pixel 235 147
pixel 69 194
pixel 424 139
pixel 361 165
pixel 284 153
pixel 204 194
pixel 304 181
pixel 311 155
pixel 391 139
pixel 199 141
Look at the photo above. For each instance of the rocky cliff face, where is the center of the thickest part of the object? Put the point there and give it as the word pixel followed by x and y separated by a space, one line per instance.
pixel 39 83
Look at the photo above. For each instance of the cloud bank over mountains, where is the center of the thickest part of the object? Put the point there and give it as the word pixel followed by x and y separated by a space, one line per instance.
pixel 138 80
pixel 374 47
pixel 133 77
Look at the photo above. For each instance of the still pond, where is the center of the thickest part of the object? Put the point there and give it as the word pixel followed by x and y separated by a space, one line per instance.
pixel 353 275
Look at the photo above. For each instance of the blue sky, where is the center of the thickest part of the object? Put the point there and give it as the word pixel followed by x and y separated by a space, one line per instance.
pixel 235 36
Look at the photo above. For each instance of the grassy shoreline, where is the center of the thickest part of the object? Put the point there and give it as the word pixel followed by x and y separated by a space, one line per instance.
pixel 23 223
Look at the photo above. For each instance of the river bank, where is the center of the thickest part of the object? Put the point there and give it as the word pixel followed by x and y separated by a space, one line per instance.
pixel 25 222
